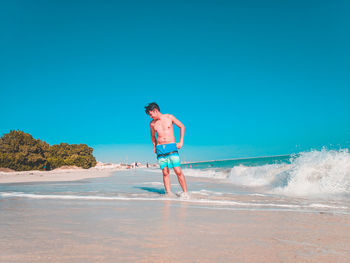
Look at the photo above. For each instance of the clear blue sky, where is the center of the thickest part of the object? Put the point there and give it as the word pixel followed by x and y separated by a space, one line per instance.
pixel 247 78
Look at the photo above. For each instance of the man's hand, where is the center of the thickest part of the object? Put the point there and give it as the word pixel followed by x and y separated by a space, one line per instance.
pixel 182 131
pixel 179 145
pixel 155 150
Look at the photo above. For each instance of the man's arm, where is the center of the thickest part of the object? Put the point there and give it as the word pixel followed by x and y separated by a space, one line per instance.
pixel 182 131
pixel 153 137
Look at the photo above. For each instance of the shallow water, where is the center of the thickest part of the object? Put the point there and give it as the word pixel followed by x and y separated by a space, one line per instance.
pixel 127 218
pixel 146 185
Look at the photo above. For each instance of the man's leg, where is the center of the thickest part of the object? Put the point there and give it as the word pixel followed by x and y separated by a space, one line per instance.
pixel 181 178
pixel 166 179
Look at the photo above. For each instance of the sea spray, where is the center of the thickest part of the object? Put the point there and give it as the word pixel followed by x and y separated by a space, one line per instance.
pixel 257 176
pixel 324 172
pixel 313 173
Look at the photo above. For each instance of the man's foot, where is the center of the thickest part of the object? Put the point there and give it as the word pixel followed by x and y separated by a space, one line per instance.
pixel 184 195
pixel 170 194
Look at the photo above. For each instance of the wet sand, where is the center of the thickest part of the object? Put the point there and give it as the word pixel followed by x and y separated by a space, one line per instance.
pixel 146 231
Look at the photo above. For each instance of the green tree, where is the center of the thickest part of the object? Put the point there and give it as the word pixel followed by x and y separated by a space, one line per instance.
pixel 21 152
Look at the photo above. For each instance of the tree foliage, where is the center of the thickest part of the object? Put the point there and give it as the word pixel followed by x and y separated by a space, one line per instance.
pixel 21 152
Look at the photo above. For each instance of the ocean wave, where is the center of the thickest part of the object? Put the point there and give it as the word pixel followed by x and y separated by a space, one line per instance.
pixel 313 173
pixel 257 175
pixel 318 173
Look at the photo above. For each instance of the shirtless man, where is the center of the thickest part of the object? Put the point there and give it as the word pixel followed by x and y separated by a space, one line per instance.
pixel 165 146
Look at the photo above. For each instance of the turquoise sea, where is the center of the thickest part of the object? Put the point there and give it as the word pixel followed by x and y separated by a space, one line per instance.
pixel 229 163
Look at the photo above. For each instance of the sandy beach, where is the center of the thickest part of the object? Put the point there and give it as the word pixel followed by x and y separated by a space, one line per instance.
pixel 146 232
pixel 125 217
pixel 54 175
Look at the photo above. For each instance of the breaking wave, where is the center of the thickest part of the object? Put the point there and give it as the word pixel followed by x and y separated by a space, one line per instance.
pixel 314 173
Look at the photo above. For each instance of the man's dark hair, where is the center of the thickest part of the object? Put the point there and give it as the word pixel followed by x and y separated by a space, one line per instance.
pixel 151 107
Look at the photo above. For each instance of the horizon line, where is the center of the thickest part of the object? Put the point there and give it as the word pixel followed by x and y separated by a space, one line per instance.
pixel 232 159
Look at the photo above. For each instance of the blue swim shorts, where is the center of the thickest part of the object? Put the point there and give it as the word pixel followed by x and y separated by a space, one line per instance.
pixel 168 155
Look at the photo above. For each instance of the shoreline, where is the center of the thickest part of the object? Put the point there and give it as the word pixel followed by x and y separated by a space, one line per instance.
pixel 57 175
pixel 139 232
pixel 124 216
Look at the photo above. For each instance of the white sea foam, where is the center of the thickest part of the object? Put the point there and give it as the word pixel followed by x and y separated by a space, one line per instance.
pixel 256 195
pixel 190 198
pixel 208 199
pixel 316 173
pixel 327 206
pixel 256 176
pixel 137 197
pixel 207 173
pixel 207 192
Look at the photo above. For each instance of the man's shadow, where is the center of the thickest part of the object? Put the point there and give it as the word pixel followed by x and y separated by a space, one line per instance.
pixel 151 189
